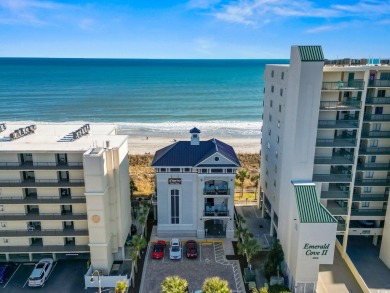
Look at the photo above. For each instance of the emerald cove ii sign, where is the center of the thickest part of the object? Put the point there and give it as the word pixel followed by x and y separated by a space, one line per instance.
pixel 316 250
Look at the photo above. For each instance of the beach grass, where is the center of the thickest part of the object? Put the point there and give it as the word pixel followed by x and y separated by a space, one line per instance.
pixel 144 178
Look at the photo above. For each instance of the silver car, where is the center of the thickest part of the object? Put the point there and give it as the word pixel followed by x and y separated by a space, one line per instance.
pixel 176 250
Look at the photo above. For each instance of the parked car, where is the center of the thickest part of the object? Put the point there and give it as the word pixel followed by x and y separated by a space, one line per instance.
pixel 41 272
pixel 366 223
pixel 5 272
pixel 158 249
pixel 191 249
pixel 175 251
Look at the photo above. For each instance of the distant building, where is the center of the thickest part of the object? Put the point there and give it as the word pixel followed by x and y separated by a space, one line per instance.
pixel 195 188
pixel 64 190
pixel 326 132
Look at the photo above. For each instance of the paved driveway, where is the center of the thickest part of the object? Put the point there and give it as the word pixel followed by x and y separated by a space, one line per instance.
pixel 209 263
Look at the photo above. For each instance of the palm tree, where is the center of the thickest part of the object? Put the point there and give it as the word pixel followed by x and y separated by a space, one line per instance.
pixel 139 243
pixel 255 181
pixel 242 232
pixel 143 219
pixel 240 219
pixel 249 247
pixel 215 285
pixel 260 290
pixel 174 284
pixel 132 187
pixel 241 175
pixel 134 259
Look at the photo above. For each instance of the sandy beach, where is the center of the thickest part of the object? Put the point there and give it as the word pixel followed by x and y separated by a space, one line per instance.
pixel 142 145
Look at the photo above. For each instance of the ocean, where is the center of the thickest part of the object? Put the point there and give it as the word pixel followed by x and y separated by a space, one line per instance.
pixel 142 96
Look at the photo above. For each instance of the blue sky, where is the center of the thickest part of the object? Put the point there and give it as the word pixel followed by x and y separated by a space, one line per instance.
pixel 193 28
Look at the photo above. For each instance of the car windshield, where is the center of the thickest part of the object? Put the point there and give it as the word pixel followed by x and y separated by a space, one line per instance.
pixel 158 248
pixel 192 250
pixel 175 248
pixel 35 278
pixel 40 265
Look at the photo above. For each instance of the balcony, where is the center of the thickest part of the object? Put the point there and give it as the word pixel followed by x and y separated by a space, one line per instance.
pixel 36 216
pixel 379 83
pixel 339 178
pixel 42 183
pixel 373 167
pixel 45 249
pixel 33 199
pixel 377 100
pixel 334 194
pixel 339 158
pixel 376 117
pixel 371 182
pixel 340 106
pixel 337 210
pixel 374 151
pixel 350 85
pixel 375 134
pixel 216 211
pixel 44 232
pixel 337 142
pixel 30 166
pixel 370 197
pixel 338 124
pixel 365 231
pixel 362 214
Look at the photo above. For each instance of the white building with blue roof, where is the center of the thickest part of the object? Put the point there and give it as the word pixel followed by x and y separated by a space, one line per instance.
pixel 195 188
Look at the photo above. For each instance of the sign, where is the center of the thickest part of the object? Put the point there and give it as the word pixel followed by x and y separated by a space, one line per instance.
pixel 174 180
pixel 96 219
pixel 316 250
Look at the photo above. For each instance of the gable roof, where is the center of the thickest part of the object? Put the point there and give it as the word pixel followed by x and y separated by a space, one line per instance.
pixel 311 53
pixel 182 153
pixel 310 210
pixel 195 130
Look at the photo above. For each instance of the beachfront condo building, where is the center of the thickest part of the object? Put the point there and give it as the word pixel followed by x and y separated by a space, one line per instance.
pixel 64 191
pixel 195 188
pixel 325 159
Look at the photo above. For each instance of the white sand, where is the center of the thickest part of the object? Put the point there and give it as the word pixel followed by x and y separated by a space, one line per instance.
pixel 141 145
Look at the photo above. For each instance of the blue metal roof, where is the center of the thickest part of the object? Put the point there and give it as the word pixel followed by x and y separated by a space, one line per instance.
pixel 195 130
pixel 183 154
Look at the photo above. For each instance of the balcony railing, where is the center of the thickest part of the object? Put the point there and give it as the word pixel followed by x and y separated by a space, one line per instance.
pixel 379 83
pixel 373 166
pixel 34 199
pixel 334 160
pixel 375 134
pixel 367 213
pixel 43 232
pixel 335 178
pixel 337 211
pixel 223 191
pixel 340 106
pixel 44 248
pixel 342 124
pixel 216 211
pixel 334 194
pixel 370 197
pixel 41 166
pixel 371 182
pixel 32 182
pixel 352 84
pixel 376 117
pixel 336 142
pixel 374 151
pixel 377 100
pixel 36 216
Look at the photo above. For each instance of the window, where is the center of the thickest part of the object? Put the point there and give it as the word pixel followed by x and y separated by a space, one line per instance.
pixel 270 117
pixel 175 169
pixel 216 159
pixel 216 171
pixel 282 76
pixel 278 123
pixel 369 174
pixel 174 206
pixel 378 110
pixel 266 184
pixel 195 136
pixel 266 171
pixel 229 170
pixel 275 183
pixel 272 89
pixel 381 93
pixel 280 108
pixel 163 170
pixel 367 189
pixel 365 204
pixel 376 126
pixel 187 169
pixel 281 92
pixel 385 76
pixel 270 103
pixel 204 170
pixel 374 143
pixel 268 145
pixel 269 131
pixel 276 154
pixel 1 208
pixel 266 157
pixel 277 139
pixel 272 73
pixel 373 159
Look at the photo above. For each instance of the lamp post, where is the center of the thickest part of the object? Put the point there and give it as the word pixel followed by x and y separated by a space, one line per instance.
pixel 99 281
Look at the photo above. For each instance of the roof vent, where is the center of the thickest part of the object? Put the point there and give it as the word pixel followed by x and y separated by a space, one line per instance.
pixel 83 130
pixel 195 136
pixel 18 133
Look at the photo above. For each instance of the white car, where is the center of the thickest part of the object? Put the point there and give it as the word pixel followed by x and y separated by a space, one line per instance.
pixel 40 273
pixel 176 250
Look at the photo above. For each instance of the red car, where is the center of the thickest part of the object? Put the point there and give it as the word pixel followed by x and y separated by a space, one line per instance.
pixel 158 249
pixel 191 249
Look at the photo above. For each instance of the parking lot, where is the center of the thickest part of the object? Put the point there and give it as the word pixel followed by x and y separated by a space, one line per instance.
pixel 209 263
pixel 65 276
